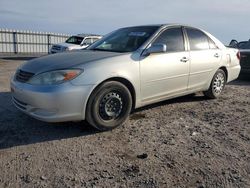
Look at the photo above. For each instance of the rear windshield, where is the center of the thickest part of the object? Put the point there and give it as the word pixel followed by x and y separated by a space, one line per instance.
pixel 74 40
pixel 244 45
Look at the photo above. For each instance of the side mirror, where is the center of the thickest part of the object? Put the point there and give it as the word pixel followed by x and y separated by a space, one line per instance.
pixel 156 48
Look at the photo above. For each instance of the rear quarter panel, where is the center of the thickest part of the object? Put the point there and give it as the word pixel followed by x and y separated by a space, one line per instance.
pixel 232 63
pixel 229 59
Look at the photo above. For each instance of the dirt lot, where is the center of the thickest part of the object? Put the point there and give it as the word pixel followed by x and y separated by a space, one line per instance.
pixel 185 142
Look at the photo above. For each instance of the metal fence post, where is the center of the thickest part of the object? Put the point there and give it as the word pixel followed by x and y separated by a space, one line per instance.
pixel 15 47
pixel 49 41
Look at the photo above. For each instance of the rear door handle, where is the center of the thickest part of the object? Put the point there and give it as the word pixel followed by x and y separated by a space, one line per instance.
pixel 184 59
pixel 216 55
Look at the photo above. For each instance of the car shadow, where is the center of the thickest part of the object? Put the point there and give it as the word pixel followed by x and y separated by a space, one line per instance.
pixel 243 80
pixel 17 128
pixel 184 99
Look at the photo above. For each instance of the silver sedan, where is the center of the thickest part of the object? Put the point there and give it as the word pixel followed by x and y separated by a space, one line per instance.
pixel 128 68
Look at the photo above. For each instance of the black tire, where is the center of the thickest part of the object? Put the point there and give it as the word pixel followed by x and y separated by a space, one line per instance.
pixel 217 85
pixel 109 106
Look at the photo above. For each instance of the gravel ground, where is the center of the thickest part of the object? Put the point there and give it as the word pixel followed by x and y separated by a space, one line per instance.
pixel 184 142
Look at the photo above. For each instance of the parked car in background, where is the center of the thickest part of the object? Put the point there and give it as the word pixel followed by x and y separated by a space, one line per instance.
pixel 75 42
pixel 128 68
pixel 244 48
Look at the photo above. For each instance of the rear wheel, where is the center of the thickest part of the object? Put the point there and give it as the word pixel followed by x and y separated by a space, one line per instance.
pixel 217 85
pixel 109 106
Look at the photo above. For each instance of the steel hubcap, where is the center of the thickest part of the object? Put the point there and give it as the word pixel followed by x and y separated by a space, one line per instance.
pixel 218 84
pixel 110 106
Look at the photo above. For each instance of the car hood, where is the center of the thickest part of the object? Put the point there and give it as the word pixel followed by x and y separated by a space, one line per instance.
pixel 65 60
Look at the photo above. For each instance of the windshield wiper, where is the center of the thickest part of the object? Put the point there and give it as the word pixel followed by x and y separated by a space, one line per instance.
pixel 99 49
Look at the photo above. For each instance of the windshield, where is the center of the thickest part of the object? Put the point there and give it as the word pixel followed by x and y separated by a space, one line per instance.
pixel 125 39
pixel 74 40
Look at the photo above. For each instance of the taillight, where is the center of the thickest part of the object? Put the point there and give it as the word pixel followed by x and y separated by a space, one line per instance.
pixel 238 55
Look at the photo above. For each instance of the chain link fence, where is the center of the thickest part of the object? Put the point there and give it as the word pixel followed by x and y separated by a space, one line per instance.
pixel 17 42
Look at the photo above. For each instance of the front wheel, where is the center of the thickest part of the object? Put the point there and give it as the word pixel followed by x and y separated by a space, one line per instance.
pixel 109 106
pixel 217 85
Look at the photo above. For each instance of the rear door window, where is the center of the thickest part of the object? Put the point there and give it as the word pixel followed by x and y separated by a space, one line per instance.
pixel 244 45
pixel 197 39
pixel 212 44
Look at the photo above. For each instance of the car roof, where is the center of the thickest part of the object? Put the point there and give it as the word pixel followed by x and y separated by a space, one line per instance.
pixel 149 25
pixel 161 25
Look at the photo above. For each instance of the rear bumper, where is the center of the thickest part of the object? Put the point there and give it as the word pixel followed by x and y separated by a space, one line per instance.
pixel 57 103
pixel 233 72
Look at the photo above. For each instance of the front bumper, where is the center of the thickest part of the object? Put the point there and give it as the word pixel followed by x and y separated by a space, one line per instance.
pixel 55 103
pixel 55 51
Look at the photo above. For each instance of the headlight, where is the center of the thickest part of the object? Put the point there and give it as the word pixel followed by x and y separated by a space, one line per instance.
pixel 54 77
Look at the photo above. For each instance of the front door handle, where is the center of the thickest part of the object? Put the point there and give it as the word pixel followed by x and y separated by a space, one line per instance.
pixel 184 59
pixel 216 55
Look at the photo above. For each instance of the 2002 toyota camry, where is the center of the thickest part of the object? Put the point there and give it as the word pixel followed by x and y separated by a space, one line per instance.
pixel 128 68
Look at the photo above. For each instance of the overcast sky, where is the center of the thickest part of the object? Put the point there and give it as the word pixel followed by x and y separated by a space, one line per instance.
pixel 226 19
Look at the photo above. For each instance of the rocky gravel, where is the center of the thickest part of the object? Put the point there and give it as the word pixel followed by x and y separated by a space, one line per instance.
pixel 185 142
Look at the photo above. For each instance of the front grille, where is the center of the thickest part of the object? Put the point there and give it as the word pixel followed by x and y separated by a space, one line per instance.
pixel 55 47
pixel 23 76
